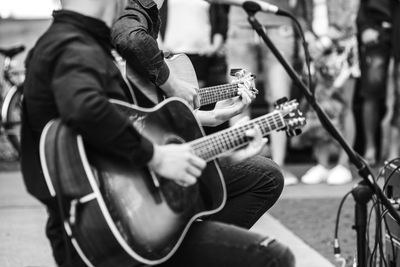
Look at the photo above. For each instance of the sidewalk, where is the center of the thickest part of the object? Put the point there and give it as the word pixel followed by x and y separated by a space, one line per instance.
pixel 23 242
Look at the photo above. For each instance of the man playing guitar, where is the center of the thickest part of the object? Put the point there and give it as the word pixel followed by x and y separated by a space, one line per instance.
pixel 253 185
pixel 71 75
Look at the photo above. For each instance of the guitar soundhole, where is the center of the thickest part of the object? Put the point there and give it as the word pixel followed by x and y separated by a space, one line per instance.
pixel 179 198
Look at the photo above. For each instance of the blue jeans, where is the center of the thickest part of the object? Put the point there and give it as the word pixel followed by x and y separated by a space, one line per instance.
pixel 253 186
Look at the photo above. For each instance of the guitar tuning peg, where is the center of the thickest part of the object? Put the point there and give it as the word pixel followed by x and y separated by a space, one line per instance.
pixel 294 132
pixel 280 101
pixel 234 72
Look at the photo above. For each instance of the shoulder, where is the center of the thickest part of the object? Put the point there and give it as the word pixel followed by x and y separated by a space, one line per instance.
pixel 61 39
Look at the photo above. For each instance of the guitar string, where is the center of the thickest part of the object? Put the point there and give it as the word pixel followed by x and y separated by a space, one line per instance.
pixel 217 91
pixel 226 138
pixel 217 97
pixel 230 138
pixel 212 91
pixel 222 144
pixel 213 94
pixel 270 120
pixel 225 142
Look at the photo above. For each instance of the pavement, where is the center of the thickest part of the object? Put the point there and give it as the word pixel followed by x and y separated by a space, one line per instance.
pixel 22 220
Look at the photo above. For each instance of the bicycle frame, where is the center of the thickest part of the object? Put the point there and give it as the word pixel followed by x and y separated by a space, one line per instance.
pixel 10 112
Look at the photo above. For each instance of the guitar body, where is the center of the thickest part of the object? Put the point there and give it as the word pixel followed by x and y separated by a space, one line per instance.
pixel 128 215
pixel 178 64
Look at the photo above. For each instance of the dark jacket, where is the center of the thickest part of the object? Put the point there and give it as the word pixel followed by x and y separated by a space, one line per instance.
pixel 71 75
pixel 134 35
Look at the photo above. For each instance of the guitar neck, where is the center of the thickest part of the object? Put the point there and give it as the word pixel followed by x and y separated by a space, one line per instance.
pixel 214 145
pixel 210 95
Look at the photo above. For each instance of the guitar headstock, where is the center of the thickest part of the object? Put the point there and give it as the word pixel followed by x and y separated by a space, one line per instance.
pixel 292 116
pixel 246 78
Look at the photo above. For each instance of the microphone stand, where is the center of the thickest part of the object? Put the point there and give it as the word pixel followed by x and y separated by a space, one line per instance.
pixel 364 190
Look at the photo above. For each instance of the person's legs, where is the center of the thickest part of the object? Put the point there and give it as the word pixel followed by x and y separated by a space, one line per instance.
pixel 340 173
pixel 318 173
pixel 253 186
pixel 277 85
pixel 374 68
pixel 214 244
pixel 349 126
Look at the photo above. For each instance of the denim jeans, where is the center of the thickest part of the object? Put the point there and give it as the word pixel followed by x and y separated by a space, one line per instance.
pixel 222 239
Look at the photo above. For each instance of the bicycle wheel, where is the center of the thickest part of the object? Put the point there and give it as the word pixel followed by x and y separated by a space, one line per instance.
pixel 11 112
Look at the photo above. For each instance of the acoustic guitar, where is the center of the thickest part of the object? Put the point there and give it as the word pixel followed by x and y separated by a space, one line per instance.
pixel 123 215
pixel 182 67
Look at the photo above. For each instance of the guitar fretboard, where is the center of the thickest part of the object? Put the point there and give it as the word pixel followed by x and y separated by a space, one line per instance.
pixel 212 146
pixel 209 95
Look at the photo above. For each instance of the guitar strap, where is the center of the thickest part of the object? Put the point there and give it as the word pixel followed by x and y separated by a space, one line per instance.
pixel 121 65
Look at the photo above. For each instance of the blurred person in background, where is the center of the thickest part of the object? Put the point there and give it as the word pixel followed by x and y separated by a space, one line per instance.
pixel 374 24
pixel 246 50
pixel 197 29
pixel 386 9
pixel 330 33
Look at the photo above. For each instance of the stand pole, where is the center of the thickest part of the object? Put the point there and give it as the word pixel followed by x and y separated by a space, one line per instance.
pixel 364 171
pixel 362 194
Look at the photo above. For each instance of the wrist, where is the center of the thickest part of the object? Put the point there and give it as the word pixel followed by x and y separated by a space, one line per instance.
pixel 168 86
pixel 155 160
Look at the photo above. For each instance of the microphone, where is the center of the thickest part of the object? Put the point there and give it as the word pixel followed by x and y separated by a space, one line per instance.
pixel 254 5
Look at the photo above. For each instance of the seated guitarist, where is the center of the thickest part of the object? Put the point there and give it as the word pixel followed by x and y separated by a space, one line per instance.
pixel 253 185
pixel 71 75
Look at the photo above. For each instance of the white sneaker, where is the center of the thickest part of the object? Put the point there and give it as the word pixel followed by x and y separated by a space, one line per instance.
pixel 315 175
pixel 289 178
pixel 339 175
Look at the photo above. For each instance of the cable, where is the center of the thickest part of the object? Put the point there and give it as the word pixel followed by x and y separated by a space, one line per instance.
pixel 389 233
pixel 380 173
pixel 305 47
pixel 336 243
pixel 390 177
pixel 369 220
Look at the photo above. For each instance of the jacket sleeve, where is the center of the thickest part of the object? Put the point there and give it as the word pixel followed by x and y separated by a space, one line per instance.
pixel 131 36
pixel 79 78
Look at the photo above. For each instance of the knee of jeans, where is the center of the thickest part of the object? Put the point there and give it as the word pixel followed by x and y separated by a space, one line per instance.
pixel 281 254
pixel 277 178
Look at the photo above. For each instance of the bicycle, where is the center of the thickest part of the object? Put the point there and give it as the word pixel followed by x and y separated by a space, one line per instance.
pixel 11 92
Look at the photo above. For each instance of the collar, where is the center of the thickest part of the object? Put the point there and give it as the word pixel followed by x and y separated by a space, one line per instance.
pixel 95 27
pixel 147 3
